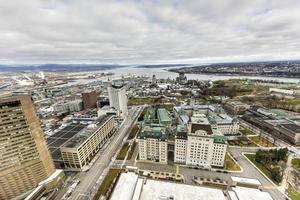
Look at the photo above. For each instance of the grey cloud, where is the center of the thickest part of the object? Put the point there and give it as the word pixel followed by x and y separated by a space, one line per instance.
pixel 38 31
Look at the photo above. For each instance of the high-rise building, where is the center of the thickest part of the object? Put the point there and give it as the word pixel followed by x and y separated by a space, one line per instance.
pixel 89 99
pixel 153 137
pixel 200 145
pixel 118 98
pixel 153 144
pixel 24 157
pixel 154 80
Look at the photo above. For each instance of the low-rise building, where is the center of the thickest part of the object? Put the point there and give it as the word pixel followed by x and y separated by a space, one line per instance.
pixel 76 143
pixel 282 91
pixel 215 115
pixel 163 117
pixel 130 186
pixel 75 105
pixel 68 106
pixel 282 124
pixel 80 150
pixel 236 107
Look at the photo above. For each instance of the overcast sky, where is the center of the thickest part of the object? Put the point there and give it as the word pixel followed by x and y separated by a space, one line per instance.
pixel 182 31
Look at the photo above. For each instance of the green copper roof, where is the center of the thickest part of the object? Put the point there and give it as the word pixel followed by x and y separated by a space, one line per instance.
pixel 219 138
pixel 163 115
pixel 153 132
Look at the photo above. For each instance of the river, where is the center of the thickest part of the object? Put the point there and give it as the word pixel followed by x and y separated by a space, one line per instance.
pixel 163 73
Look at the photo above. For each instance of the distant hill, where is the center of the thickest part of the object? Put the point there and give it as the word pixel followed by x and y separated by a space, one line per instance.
pixel 290 69
pixel 162 65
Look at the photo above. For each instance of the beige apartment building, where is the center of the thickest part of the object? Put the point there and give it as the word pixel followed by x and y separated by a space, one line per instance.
pixel 200 145
pixel 80 150
pixel 24 157
pixel 153 145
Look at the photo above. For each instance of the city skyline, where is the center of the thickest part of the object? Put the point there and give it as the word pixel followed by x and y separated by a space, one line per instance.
pixel 133 32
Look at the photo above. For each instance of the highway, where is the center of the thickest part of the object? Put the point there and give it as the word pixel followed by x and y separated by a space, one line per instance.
pixel 91 180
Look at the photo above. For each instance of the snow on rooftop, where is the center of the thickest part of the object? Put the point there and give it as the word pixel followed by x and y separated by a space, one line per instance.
pixel 160 190
pixel 244 193
pixel 251 181
pixel 125 187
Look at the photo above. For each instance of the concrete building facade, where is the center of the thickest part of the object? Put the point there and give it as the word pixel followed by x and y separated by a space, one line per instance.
pixel 118 98
pixel 80 150
pixel 201 145
pixel 215 115
pixel 89 99
pixel 153 145
pixel 24 157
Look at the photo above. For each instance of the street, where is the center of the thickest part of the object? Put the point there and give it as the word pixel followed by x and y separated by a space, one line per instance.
pixel 249 171
pixel 91 180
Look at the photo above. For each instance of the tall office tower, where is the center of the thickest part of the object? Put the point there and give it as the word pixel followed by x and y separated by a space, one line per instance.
pixel 89 99
pixel 24 157
pixel 154 80
pixel 118 98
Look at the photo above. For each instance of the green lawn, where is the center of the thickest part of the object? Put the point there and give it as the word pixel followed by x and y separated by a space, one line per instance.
pixel 123 152
pixel 140 101
pixel 168 106
pixel 108 180
pixel 230 164
pixel 251 157
pixel 262 141
pixel 292 193
pixel 247 132
pixel 133 132
pixel 131 151
pixel 296 163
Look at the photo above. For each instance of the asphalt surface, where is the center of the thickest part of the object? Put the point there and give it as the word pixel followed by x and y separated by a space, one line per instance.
pixel 249 171
pixel 91 180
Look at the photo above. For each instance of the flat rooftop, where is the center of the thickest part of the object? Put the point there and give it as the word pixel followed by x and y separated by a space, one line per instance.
pixel 71 136
pixel 85 133
pixel 58 139
pixel 292 127
pixel 251 181
pixel 199 119
pixel 130 187
pixel 279 114
pixel 125 187
pixel 163 115
pixel 156 132
pixel 243 193
pixel 153 190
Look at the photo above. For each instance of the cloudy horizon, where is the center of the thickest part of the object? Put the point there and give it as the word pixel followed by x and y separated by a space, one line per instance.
pixel 148 32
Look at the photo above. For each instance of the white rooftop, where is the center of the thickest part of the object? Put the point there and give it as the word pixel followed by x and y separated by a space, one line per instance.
pixel 244 193
pixel 160 190
pixel 130 187
pixel 125 187
pixel 251 181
